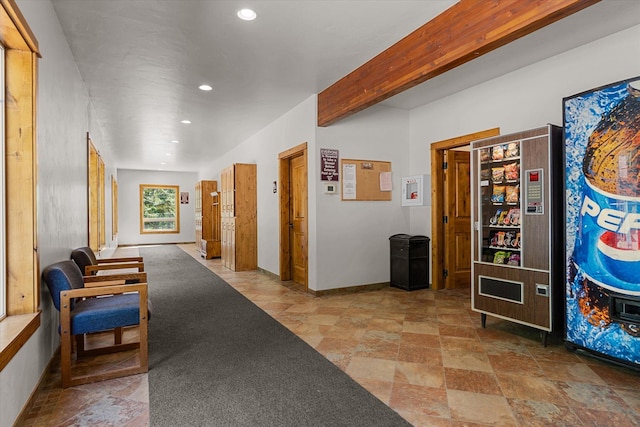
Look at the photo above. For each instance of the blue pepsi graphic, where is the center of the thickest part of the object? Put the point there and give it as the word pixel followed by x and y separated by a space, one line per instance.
pixel 602 217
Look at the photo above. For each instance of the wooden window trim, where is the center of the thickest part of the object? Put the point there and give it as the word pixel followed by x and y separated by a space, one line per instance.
pixel 177 219
pixel 23 273
pixel 114 208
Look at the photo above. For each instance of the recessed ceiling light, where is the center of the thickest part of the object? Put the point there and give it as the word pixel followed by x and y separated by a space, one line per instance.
pixel 205 87
pixel 247 14
pixel 163 163
pixel 186 122
pixel 167 154
pixel 175 141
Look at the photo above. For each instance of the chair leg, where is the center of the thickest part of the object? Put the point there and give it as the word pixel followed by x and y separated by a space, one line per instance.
pixel 144 332
pixel 79 345
pixel 66 349
pixel 117 336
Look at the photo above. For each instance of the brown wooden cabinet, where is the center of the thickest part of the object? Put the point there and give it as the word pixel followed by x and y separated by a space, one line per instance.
pixel 207 211
pixel 238 203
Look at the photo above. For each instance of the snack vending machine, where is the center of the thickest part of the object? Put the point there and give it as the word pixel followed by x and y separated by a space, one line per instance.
pixel 517 248
pixel 602 214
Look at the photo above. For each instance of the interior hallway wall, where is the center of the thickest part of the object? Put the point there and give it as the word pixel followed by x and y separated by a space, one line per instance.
pixel 295 127
pixel 353 236
pixel 64 115
pixel 129 206
pixel 348 241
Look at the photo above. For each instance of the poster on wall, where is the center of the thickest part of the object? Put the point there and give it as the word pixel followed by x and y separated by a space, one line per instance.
pixel 329 165
pixel 349 181
pixel 184 197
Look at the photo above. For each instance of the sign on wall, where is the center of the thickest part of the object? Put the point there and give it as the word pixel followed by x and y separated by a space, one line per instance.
pixel 329 165
pixel 184 197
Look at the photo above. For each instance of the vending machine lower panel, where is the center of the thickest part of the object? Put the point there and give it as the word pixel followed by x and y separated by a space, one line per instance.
pixel 602 322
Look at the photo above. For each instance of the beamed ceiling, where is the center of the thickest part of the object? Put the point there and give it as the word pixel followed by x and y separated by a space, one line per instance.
pixel 142 61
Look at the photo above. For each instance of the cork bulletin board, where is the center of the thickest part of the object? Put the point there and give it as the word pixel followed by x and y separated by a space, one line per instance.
pixel 365 180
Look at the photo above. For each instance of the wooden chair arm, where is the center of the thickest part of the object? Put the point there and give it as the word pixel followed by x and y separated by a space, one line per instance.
pixel 103 283
pixel 128 259
pixel 89 269
pixel 139 276
pixel 66 296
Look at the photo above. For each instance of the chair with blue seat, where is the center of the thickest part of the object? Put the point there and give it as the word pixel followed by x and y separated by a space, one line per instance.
pixel 131 269
pixel 87 308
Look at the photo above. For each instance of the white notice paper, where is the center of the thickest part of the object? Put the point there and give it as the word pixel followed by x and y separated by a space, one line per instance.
pixel 385 181
pixel 349 181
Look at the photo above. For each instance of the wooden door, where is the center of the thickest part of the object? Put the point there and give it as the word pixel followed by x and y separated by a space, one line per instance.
pixel 298 218
pixel 438 211
pixel 292 174
pixel 457 227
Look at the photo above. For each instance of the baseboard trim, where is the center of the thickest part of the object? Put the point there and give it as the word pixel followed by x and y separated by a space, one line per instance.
pixel 129 245
pixel 26 409
pixel 351 289
pixel 336 291
pixel 268 273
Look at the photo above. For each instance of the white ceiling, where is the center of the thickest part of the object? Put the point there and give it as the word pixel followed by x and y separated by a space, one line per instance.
pixel 142 62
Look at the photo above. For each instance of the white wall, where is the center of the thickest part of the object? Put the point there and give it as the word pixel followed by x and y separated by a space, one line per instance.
pixel 129 206
pixel 64 116
pixel 348 241
pixel 293 128
pixel 524 99
pixel 353 236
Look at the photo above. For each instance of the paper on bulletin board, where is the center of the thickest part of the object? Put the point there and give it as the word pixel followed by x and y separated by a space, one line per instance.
pixel 349 181
pixel 385 181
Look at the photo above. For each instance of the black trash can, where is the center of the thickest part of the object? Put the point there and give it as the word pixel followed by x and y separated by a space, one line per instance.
pixel 409 261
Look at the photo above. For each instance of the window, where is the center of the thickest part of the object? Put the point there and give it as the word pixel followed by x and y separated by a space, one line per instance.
pixel 159 209
pixel 3 285
pixel 21 288
pixel 114 208
pixel 96 196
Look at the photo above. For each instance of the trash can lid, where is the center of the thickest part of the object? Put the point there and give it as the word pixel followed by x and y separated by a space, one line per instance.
pixel 400 237
pixel 416 238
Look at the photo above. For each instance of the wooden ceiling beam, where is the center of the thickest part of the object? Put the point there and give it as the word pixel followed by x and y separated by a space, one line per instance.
pixel 465 31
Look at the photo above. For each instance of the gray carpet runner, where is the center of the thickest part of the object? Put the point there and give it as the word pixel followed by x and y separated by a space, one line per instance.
pixel 216 359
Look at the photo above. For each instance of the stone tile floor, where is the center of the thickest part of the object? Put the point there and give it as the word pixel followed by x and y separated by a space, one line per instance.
pixel 424 353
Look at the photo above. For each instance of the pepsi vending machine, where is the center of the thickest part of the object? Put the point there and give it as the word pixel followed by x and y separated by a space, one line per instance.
pixel 602 214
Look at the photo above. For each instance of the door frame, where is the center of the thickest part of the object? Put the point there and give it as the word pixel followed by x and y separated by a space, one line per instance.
pixel 284 169
pixel 437 198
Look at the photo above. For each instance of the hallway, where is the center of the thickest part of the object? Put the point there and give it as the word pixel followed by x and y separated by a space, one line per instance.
pixel 423 353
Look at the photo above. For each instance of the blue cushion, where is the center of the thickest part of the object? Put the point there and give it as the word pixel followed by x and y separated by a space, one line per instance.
pixel 105 313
